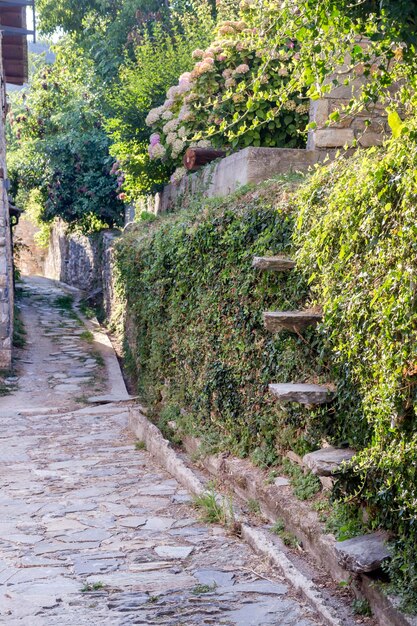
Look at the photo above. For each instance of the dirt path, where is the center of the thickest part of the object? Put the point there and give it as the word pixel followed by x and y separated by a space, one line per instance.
pixel 91 530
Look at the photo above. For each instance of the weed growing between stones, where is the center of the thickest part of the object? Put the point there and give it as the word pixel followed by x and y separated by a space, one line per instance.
pixel 254 506
pixel 5 389
pixel 65 303
pixel 140 445
pixel 92 587
pixel 305 484
pixel 287 538
pixel 19 332
pixel 87 336
pixel 344 521
pixel 361 607
pixel 198 590
pixel 213 509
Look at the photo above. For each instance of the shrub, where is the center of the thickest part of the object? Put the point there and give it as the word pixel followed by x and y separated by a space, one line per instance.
pixel 59 160
pixel 161 52
pixel 219 94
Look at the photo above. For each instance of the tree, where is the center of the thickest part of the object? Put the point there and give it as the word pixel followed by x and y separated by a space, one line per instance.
pixel 59 147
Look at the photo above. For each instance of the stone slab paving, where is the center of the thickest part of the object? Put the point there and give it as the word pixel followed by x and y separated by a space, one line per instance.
pixel 93 532
pixel 60 366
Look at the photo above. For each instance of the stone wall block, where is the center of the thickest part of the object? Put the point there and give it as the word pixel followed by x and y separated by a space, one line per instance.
pixel 320 111
pixel 334 137
pixel 367 140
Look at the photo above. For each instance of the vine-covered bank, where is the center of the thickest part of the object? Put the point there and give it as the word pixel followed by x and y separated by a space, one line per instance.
pixel 195 338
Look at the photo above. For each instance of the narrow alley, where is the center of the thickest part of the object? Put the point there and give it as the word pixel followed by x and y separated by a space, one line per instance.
pixel 92 531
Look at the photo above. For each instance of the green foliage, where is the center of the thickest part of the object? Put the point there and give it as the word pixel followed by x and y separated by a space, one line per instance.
pixel 288 538
pixel 200 589
pixel 357 236
pixel 305 485
pixel 196 334
pixel 212 509
pixel 361 607
pixel 59 159
pixel 19 331
pixel 278 527
pixel 218 93
pixel 65 303
pixel 402 570
pixel 88 336
pixel 344 521
pixel 103 29
pixel 337 39
pixel 88 588
pixel 254 506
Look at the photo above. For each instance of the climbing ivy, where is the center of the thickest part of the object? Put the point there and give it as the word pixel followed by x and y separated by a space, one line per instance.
pixel 195 335
pixel 357 236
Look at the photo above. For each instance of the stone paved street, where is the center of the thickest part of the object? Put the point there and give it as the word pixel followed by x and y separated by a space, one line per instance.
pixel 91 530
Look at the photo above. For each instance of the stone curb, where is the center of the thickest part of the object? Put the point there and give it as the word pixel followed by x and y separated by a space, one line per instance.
pixel 166 456
pixel 105 347
pixel 260 543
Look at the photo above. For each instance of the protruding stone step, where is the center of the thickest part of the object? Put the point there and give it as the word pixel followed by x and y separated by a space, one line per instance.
pixel 273 263
pixel 302 393
pixel 363 554
pixel 327 461
pixel 110 398
pixel 295 321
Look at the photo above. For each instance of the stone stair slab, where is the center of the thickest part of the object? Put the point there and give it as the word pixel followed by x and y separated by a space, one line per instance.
pixel 302 393
pixel 327 461
pixel 363 554
pixel 294 321
pixel 273 263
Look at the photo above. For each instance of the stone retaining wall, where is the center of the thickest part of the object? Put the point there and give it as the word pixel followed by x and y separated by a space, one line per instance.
pixel 77 260
pixel 6 255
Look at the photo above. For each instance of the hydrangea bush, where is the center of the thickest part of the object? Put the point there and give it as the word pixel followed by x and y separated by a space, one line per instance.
pixel 217 98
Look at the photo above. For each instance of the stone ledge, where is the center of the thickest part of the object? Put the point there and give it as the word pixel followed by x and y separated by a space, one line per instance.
pixel 250 165
pixel 363 554
pixel 327 461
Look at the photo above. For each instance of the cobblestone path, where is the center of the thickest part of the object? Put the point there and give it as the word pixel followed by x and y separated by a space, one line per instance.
pixel 91 530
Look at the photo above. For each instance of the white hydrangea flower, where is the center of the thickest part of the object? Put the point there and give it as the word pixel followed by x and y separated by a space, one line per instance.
pixel 171 126
pixel 242 69
pixel 173 91
pixel 177 147
pixel 157 152
pixel 171 138
pixel 153 116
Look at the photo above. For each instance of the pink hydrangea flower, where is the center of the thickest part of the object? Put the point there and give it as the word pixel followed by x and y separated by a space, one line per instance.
pixel 242 69
pixel 154 139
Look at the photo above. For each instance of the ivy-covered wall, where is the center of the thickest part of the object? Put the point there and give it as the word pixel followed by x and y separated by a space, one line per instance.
pixel 195 339
pixel 357 241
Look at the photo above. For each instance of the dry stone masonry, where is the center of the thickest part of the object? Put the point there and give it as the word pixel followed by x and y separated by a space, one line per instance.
pixel 6 264
pixel 364 128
